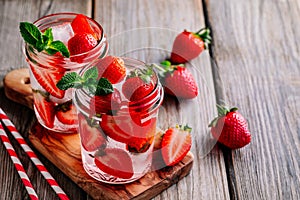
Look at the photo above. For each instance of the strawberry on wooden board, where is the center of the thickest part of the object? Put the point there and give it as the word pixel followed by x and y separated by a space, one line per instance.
pixel 138 84
pixel 178 80
pixel 48 78
pixel 188 45
pixel 112 68
pixel 105 103
pixel 115 162
pixel 44 107
pixel 80 24
pixel 66 113
pixel 175 144
pixel 91 135
pixel 230 128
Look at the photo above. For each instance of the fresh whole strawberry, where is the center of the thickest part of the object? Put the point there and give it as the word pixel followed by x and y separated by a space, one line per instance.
pixel 91 135
pixel 48 78
pixel 112 68
pixel 66 113
pixel 44 107
pixel 176 143
pixel 81 43
pixel 138 84
pixel 189 45
pixel 80 24
pixel 105 103
pixel 178 81
pixel 115 162
pixel 230 128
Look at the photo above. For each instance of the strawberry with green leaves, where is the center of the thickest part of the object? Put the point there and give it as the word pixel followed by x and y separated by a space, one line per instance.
pixel 230 128
pixel 177 80
pixel 175 144
pixel 188 45
pixel 138 84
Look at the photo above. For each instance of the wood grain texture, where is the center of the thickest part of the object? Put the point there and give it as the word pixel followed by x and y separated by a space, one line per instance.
pixel 256 48
pixel 11 57
pixel 64 151
pixel 145 30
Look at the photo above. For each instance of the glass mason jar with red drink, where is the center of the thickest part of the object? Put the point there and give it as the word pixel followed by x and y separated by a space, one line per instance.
pixel 84 41
pixel 117 127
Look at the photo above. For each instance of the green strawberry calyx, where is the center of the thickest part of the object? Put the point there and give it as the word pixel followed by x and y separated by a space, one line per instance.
pixel 183 128
pixel 88 81
pixel 42 41
pixel 204 34
pixel 144 74
pixel 165 68
pixel 223 110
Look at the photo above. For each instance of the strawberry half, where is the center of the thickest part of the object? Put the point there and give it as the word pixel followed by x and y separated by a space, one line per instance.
pixel 176 143
pixel 91 135
pixel 66 113
pixel 80 24
pixel 112 68
pixel 105 103
pixel 44 107
pixel 138 84
pixel 115 162
pixel 230 128
pixel 81 43
pixel 189 45
pixel 48 78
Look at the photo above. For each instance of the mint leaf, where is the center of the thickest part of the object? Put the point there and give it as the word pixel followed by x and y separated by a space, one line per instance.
pixel 70 80
pixel 104 87
pixel 30 33
pixel 91 73
pixel 48 36
pixel 59 47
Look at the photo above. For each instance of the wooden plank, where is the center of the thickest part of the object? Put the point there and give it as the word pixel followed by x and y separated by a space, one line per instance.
pixel 256 49
pixel 64 151
pixel 11 57
pixel 146 30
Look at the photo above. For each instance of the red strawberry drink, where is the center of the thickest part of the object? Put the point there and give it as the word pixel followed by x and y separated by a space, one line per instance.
pixel 56 45
pixel 117 123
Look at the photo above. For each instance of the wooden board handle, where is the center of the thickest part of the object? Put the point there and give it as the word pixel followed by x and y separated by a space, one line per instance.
pixel 17 87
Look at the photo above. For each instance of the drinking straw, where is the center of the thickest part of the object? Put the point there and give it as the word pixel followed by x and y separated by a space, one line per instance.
pixel 18 165
pixel 10 126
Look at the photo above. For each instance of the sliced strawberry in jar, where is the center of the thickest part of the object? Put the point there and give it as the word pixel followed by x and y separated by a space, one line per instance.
pixel 66 113
pixel 80 24
pixel 44 107
pixel 115 162
pixel 176 143
pixel 48 78
pixel 92 137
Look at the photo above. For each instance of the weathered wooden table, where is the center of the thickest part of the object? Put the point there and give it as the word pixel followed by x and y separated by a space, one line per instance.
pixel 253 63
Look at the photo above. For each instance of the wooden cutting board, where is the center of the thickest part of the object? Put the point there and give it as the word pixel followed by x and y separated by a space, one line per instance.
pixel 63 150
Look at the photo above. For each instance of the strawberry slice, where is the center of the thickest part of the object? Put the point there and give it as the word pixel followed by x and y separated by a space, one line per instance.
pixel 176 143
pixel 66 113
pixel 44 107
pixel 92 138
pixel 48 78
pixel 80 24
pixel 115 162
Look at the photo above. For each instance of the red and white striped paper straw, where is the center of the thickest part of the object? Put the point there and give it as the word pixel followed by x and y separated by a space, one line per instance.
pixel 10 126
pixel 18 165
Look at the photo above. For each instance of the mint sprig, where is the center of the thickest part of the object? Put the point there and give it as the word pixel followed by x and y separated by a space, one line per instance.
pixel 42 41
pixel 88 81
